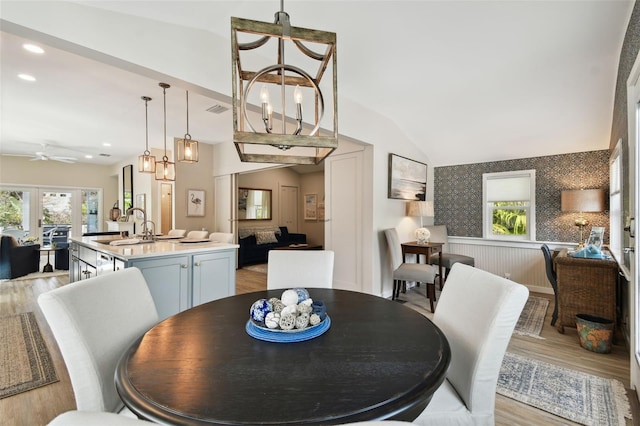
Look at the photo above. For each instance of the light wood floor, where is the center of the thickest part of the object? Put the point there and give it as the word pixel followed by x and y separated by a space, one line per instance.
pixel 39 406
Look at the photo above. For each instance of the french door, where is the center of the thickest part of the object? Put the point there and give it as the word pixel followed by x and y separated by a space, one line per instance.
pixel 32 212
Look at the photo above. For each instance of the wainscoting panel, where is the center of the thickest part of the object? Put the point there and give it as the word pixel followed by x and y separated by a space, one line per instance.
pixel 525 265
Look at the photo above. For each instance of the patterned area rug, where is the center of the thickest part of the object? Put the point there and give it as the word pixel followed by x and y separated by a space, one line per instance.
pixel 25 362
pixel 580 397
pixel 532 317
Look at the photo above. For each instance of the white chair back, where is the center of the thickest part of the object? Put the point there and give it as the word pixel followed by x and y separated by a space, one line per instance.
pixel 177 232
pixel 95 418
pixel 300 268
pixel 198 234
pixel 221 237
pixel 94 321
pixel 393 241
pixel 477 312
pixel 439 234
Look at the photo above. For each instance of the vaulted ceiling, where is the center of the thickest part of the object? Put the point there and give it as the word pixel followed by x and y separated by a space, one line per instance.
pixel 466 81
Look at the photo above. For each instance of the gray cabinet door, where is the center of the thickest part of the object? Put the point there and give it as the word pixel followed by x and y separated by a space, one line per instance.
pixel 168 281
pixel 214 276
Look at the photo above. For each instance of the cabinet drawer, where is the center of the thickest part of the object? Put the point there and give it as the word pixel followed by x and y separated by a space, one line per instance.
pixel 87 255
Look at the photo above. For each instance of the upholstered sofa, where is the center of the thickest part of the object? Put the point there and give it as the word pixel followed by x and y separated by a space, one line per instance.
pixel 17 260
pixel 255 243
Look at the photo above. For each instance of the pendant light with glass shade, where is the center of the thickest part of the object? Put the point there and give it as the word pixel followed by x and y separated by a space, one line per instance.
pixel 165 169
pixel 187 148
pixel 146 161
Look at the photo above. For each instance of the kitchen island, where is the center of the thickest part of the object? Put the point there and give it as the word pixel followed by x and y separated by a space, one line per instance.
pixel 180 275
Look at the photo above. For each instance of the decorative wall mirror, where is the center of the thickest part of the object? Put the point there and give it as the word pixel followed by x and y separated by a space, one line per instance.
pixel 127 187
pixel 254 204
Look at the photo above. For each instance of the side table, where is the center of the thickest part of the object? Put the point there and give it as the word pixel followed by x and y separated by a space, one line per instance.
pixel 48 267
pixel 585 286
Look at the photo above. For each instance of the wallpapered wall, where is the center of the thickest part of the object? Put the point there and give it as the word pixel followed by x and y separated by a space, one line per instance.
pixel 458 193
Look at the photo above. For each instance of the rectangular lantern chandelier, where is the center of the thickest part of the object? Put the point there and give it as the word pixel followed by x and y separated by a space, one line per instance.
pixel 278 107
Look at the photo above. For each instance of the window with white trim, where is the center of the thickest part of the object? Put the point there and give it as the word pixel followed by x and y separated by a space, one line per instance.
pixel 509 211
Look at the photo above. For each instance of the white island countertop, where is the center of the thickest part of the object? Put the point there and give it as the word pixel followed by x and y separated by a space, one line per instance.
pixel 158 248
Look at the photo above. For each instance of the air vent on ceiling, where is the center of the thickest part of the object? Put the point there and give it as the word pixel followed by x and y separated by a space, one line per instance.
pixel 217 109
pixel 105 155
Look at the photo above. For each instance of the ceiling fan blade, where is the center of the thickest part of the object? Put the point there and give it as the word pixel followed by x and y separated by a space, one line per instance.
pixel 65 159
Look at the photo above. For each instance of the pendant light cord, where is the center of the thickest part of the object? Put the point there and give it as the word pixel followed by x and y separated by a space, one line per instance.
pixel 146 126
pixel 164 94
pixel 187 135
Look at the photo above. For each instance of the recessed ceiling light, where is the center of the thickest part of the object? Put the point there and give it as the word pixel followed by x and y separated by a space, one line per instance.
pixel 88 156
pixel 106 144
pixel 26 77
pixel 33 48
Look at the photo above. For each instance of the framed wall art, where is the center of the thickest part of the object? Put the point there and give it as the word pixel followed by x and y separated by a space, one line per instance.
pixel 195 202
pixel 310 207
pixel 407 178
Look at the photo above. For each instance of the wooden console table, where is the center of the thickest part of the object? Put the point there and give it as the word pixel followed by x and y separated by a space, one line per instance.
pixel 585 286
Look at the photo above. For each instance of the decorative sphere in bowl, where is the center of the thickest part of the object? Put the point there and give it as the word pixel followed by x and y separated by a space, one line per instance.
pixel 260 309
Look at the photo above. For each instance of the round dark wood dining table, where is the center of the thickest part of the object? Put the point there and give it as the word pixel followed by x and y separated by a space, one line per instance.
pixel 378 360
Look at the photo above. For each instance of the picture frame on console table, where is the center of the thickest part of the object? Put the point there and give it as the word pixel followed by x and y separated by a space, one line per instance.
pixel 407 179
pixel 195 202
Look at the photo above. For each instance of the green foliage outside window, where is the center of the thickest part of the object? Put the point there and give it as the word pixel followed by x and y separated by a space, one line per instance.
pixel 10 209
pixel 509 221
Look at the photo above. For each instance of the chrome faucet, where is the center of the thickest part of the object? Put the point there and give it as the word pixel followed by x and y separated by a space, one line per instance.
pixel 146 235
pixel 151 232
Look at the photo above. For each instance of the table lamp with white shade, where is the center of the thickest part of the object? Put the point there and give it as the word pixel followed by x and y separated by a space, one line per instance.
pixel 420 209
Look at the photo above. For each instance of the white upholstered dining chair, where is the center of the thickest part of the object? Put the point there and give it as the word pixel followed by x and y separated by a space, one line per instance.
pixel 198 234
pixel 412 272
pixel 94 321
pixel 300 268
pixel 221 237
pixel 95 418
pixel 477 312
pixel 177 232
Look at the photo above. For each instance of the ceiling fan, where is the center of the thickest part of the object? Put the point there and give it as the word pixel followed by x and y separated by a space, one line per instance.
pixel 44 156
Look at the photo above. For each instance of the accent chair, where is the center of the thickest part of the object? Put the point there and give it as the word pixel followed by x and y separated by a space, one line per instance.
pixel 439 234
pixel 17 260
pixel 477 312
